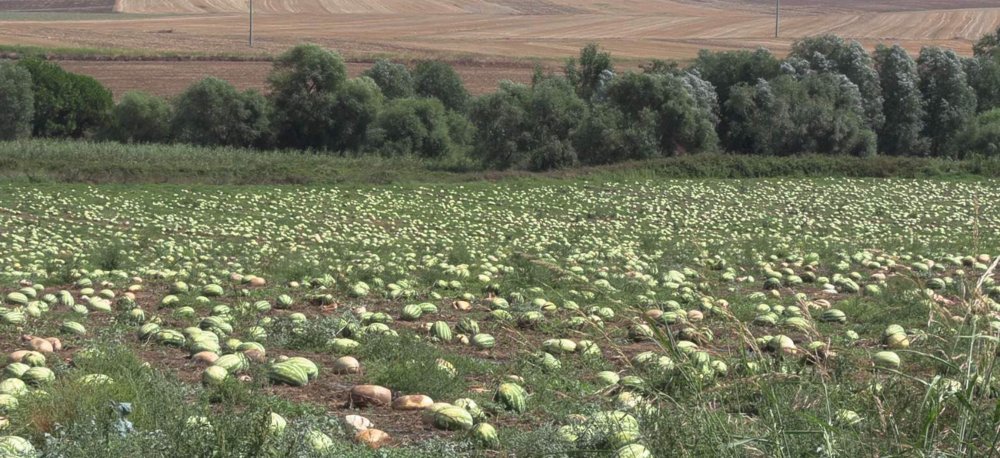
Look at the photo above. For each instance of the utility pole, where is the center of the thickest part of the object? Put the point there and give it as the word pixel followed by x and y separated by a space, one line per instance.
pixel 251 23
pixel 777 17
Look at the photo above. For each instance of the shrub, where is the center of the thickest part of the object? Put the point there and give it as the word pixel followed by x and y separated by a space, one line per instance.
pixel 439 80
pixel 395 80
pixel 18 102
pixel 66 104
pixel 140 118
pixel 213 113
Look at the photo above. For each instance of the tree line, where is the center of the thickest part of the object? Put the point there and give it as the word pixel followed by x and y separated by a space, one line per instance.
pixel 828 96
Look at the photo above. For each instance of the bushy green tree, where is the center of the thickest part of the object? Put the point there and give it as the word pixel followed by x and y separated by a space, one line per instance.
pixel 949 100
pixel 394 79
pixel 527 127
pixel 902 133
pixel 830 53
pixel 140 118
pixel 818 113
pixel 729 68
pixel 605 136
pixel 17 100
pixel 440 81
pixel 988 46
pixel 304 84
pixel 981 136
pixel 503 131
pixel 554 112
pixel 984 77
pixel 66 104
pixel 684 122
pixel 412 126
pixel 355 107
pixel 213 113
pixel 587 74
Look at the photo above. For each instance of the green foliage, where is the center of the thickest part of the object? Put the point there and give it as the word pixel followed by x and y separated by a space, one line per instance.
pixel 830 53
pixel 18 101
pixel 66 104
pixel 591 72
pixel 729 68
pixel 981 136
pixel 213 113
pixel 988 46
pixel 984 77
pixel 950 101
pixel 304 85
pixel 527 127
pixel 439 80
pixel 685 121
pixel 412 126
pixel 819 113
pixel 902 133
pixel 605 136
pixel 394 79
pixel 140 118
pixel 355 107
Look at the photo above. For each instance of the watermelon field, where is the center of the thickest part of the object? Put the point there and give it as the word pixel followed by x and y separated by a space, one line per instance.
pixel 522 317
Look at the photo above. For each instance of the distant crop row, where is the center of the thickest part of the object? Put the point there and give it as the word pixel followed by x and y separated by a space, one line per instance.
pixel 830 96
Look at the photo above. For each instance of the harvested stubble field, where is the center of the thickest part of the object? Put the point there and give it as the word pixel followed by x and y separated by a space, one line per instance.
pixel 504 31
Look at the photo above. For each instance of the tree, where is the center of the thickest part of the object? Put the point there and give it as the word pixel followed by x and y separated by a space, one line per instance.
pixel 304 84
pixel 729 68
pixel 554 112
pixel 394 79
pixel 503 131
pixel 438 80
pixel 213 113
pixel 684 123
pixel 984 77
pixel 355 107
pixel 817 113
pixel 830 53
pixel 903 106
pixel 66 104
pixel 18 101
pixel 412 126
pixel 590 72
pixel 606 137
pixel 981 136
pixel 988 46
pixel 524 127
pixel 949 100
pixel 140 118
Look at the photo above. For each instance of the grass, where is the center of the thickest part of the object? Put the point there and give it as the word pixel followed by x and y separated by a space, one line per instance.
pixel 39 161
